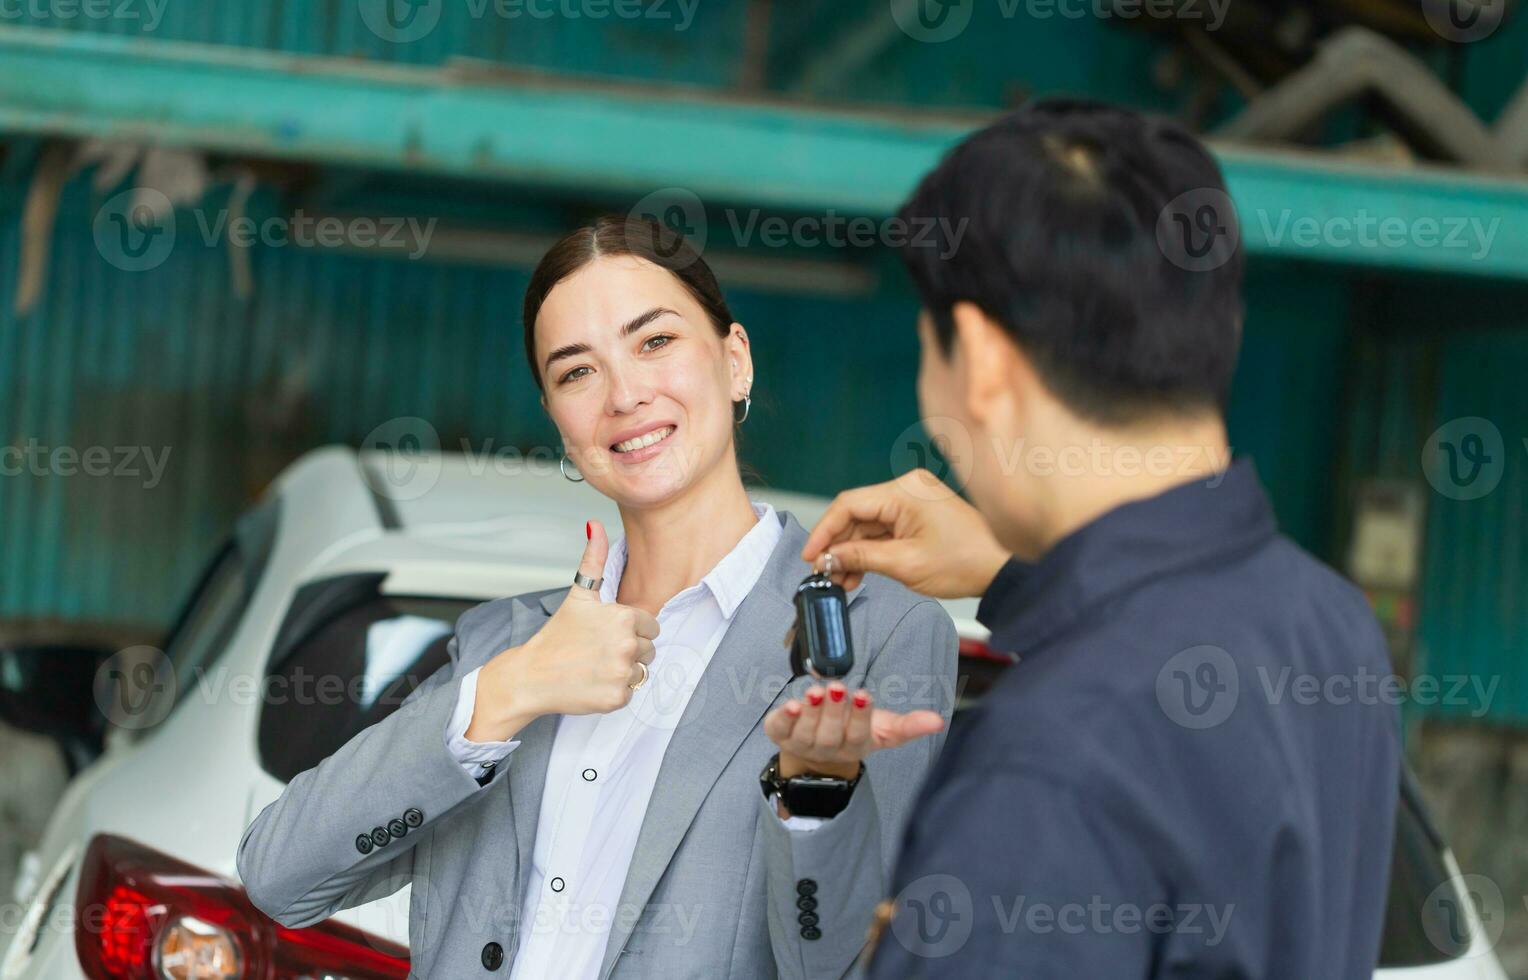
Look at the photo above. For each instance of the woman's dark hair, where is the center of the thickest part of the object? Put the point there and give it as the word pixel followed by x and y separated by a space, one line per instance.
pixel 1056 221
pixel 616 235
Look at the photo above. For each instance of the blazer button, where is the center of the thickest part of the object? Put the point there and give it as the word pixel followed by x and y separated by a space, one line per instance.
pixel 380 836
pixel 363 843
pixel 810 933
pixel 807 918
pixel 397 827
pixel 806 886
pixel 413 817
pixel 493 956
pixel 806 903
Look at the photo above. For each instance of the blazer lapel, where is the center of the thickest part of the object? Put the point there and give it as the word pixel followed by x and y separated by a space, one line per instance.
pixel 738 686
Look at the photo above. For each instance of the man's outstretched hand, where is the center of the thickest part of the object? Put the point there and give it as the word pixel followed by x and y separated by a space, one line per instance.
pixel 934 543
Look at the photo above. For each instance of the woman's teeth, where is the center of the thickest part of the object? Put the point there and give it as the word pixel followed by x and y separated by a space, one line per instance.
pixel 657 435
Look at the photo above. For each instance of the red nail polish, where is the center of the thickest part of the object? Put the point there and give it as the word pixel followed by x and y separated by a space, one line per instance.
pixel 861 699
pixel 588 531
pixel 836 693
pixel 815 697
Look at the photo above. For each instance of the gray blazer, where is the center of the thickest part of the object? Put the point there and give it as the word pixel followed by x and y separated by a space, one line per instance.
pixel 717 886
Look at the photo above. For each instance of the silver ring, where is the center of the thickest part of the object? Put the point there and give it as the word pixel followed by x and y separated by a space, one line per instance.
pixel 644 676
pixel 827 563
pixel 585 582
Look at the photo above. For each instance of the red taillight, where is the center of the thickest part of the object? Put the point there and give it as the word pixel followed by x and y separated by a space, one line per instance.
pixel 980 651
pixel 144 915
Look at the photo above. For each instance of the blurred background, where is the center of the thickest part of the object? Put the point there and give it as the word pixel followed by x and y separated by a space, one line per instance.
pixel 234 232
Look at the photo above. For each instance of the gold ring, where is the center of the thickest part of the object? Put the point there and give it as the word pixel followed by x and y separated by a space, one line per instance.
pixel 644 676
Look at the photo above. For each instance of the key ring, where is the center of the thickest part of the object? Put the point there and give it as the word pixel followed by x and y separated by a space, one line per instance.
pixel 827 564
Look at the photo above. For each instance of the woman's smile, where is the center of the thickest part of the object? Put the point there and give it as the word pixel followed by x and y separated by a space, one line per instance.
pixel 644 445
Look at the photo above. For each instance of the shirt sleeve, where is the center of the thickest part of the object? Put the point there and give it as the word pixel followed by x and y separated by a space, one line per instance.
pixel 477 758
pixel 794 823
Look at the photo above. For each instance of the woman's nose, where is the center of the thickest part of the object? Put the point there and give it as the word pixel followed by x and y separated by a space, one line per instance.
pixel 627 392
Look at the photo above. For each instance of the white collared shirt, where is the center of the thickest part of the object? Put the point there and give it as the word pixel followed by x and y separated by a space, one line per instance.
pixel 603 767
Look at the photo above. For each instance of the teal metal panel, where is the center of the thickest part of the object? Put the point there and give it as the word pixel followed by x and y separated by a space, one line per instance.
pixel 427 122
pixel 1474 618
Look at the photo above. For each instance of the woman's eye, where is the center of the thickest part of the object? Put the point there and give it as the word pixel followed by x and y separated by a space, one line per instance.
pixel 653 343
pixel 572 375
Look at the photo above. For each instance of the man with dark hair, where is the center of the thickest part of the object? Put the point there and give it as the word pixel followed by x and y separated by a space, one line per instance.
pixel 1152 790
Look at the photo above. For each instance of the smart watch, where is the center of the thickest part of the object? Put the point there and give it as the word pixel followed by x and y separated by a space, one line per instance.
pixel 808 795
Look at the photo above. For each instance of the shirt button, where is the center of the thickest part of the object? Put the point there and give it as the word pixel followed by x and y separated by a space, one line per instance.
pixel 590 775
pixel 806 886
pixel 558 884
pixel 493 956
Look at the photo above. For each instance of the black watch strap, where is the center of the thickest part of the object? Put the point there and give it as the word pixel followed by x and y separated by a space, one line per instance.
pixel 809 795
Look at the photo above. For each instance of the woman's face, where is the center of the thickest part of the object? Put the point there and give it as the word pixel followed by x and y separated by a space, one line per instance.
pixel 637 381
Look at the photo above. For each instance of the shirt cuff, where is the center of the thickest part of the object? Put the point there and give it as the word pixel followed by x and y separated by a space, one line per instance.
pixel 794 823
pixel 477 758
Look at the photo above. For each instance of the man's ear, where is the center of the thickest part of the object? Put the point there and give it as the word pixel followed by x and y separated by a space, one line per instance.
pixel 990 362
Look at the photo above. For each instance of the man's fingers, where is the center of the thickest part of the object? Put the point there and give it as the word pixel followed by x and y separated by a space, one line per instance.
pixel 887 556
pixel 592 564
pixel 860 505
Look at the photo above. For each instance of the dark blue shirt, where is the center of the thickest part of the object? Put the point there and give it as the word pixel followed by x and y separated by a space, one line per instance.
pixel 1189 773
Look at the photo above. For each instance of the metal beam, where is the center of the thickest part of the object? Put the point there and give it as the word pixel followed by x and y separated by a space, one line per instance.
pixel 531 129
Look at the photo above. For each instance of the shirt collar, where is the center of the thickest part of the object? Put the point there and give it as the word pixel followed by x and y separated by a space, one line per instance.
pixel 730 581
pixel 1189 524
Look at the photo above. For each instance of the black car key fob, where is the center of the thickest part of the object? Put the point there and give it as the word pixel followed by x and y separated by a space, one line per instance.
pixel 821 643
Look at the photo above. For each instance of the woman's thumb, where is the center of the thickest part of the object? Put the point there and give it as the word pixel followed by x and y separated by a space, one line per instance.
pixel 592 564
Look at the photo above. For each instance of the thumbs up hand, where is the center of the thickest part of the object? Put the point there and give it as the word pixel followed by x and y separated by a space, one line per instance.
pixel 582 661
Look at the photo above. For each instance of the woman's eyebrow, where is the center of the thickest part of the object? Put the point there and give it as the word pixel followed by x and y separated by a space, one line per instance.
pixel 630 327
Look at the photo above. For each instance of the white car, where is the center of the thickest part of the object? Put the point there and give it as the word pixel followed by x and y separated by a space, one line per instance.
pixel 334 597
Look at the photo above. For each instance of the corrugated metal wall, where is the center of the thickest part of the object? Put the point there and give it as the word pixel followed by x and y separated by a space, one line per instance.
pixel 332 345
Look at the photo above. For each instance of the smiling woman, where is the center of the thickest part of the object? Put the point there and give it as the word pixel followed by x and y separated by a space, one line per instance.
pixel 606 754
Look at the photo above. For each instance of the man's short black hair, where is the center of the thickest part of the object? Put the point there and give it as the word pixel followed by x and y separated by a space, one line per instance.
pixel 1062 201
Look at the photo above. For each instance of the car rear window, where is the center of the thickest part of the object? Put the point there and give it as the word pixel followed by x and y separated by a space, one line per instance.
pixel 345 659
